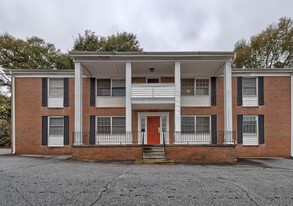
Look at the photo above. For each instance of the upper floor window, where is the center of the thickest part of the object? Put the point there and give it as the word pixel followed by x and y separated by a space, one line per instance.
pixel 56 88
pixel 249 87
pixel 191 87
pixel 108 87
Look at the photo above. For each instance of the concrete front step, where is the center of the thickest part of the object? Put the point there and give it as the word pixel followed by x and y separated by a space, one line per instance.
pixel 153 157
pixel 153 149
pixel 152 162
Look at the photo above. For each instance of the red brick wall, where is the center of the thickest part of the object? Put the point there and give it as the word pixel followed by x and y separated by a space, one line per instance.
pixel 131 152
pixel 202 154
pixel 276 111
pixel 29 114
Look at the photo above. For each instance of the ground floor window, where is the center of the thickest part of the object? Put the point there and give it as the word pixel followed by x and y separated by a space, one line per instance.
pixel 250 129
pixel 56 131
pixel 195 124
pixel 111 125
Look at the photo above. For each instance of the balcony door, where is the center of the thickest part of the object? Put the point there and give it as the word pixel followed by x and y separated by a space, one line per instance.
pixel 153 130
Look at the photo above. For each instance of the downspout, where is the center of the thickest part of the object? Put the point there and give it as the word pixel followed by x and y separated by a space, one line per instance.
pixel 13 113
pixel 291 115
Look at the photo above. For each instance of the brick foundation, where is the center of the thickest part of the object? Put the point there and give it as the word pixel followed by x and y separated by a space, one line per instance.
pixel 132 152
pixel 202 153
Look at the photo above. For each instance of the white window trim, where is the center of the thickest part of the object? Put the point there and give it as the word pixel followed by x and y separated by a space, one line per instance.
pixel 251 134
pixel 61 136
pixel 60 100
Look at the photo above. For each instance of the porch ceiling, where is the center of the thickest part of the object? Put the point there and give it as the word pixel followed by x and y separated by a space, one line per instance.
pixel 188 68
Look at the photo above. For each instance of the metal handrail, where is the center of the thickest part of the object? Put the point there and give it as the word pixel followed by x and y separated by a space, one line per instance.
pixel 164 143
pixel 142 143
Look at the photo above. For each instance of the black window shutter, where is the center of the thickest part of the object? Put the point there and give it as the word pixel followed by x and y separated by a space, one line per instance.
pixel 44 130
pixel 66 130
pixel 239 91
pixel 260 90
pixel 214 129
pixel 213 91
pixel 92 92
pixel 92 129
pixel 261 136
pixel 66 93
pixel 44 92
pixel 239 129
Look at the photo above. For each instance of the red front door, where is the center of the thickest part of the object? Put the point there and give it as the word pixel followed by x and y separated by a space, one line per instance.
pixel 153 130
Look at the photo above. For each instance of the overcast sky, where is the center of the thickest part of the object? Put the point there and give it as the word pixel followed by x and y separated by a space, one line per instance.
pixel 160 25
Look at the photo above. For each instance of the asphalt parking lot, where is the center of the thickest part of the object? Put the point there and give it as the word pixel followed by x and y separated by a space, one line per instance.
pixel 53 181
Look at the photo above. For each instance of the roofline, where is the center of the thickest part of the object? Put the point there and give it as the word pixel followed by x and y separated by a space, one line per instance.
pixel 80 56
pixel 39 72
pixel 262 70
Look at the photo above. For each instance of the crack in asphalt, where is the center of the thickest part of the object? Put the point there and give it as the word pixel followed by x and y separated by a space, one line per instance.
pixel 26 200
pixel 105 188
pixel 243 189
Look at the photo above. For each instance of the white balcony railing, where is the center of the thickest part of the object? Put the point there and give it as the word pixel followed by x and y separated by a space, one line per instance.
pixel 153 91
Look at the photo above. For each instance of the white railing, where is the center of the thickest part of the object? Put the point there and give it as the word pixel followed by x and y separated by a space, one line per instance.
pixel 153 91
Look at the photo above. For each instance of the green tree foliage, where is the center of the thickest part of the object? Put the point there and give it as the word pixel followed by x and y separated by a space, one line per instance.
pixel 32 53
pixel 120 42
pixel 272 48
pixel 5 121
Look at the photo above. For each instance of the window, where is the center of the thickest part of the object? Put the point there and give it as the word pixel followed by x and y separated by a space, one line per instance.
pixel 250 124
pixel 249 87
pixel 56 126
pixel 118 88
pixel 187 87
pixel 187 125
pixel 56 88
pixel 104 125
pixel 202 124
pixel 118 125
pixel 202 87
pixel 195 124
pixel 111 125
pixel 105 88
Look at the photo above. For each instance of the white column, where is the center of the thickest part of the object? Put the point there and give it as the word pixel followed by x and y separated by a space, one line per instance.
pixel 128 102
pixel 177 115
pixel 291 116
pixel 228 127
pixel 78 104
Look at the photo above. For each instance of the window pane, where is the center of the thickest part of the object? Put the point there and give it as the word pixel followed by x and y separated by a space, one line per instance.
pixel 249 86
pixel 202 87
pixel 250 124
pixel 103 87
pixel 118 87
pixel 187 125
pixel 118 125
pixel 103 125
pixel 187 87
pixel 56 126
pixel 202 124
pixel 56 88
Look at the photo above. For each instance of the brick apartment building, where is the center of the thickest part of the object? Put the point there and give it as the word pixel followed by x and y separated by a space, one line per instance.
pixel 120 105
